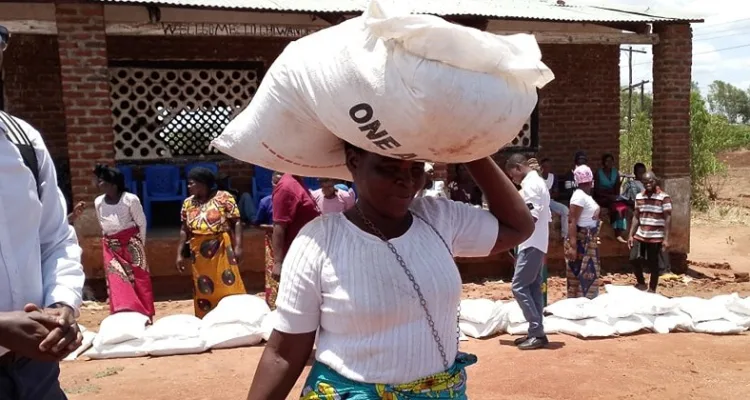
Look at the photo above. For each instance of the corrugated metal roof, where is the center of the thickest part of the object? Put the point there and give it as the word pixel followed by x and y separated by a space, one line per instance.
pixel 545 10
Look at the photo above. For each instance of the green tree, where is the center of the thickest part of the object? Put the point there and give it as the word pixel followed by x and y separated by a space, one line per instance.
pixel 729 101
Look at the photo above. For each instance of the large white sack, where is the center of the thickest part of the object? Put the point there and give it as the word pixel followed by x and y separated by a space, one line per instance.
pixel 224 336
pixel 739 305
pixel 612 306
pixel 587 328
pixel 174 335
pixel 88 340
pixel 718 327
pixel 673 321
pixel 121 327
pixel 181 326
pixel 176 346
pixel 268 325
pixel 239 308
pixel 477 310
pixel 404 86
pixel 131 348
pixel 574 308
pixel 482 317
pixel 517 328
pixel 701 310
pixel 629 325
pixel 737 319
pixel 513 313
pixel 624 299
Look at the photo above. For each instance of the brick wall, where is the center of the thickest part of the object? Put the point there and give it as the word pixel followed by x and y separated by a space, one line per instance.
pixel 32 88
pixel 580 109
pixel 672 80
pixel 85 83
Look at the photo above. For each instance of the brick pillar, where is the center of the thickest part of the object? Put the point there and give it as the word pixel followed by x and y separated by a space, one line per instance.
pixel 85 90
pixel 671 128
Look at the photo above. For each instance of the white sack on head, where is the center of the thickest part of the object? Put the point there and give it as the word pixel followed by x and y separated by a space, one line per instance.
pixel 405 86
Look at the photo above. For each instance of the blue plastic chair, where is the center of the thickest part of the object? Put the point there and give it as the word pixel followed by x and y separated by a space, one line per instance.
pixel 311 183
pixel 162 183
pixel 262 183
pixel 208 165
pixel 130 183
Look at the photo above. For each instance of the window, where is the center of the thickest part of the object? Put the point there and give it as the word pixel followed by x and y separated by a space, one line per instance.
pixel 174 109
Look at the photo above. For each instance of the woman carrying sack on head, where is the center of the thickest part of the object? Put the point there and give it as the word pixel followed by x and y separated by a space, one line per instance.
pixel 380 286
pixel 123 224
pixel 211 224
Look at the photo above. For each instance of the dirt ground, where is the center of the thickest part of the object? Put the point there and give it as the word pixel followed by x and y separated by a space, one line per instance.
pixel 648 366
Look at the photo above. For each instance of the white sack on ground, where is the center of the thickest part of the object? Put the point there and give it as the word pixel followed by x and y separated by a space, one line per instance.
pixel 121 327
pixel 701 310
pixel 629 325
pixel 175 334
pixel 513 313
pixel 739 305
pixel 129 349
pixel 481 317
pixel 88 340
pixel 401 85
pixel 236 321
pixel 718 327
pixel 623 301
pixel 574 309
pixel 673 321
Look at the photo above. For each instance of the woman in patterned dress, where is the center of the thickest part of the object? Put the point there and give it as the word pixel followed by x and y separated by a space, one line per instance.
pixel 124 227
pixel 212 232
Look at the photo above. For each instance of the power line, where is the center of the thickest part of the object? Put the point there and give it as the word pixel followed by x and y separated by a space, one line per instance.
pixel 710 28
pixel 733 33
pixel 702 52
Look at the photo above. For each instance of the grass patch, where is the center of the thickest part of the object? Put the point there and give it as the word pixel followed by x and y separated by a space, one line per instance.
pixel 108 372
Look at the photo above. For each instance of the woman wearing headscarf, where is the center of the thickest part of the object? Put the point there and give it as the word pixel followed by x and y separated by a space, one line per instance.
pixel 380 286
pixel 123 226
pixel 582 248
pixel 210 241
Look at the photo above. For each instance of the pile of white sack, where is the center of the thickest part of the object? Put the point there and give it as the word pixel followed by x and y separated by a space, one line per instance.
pixel 240 320
pixel 412 87
pixel 622 310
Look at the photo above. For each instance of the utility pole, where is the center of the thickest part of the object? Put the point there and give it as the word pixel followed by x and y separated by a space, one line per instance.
pixel 642 85
pixel 630 83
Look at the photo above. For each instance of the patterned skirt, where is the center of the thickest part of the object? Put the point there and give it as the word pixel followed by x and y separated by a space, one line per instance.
pixel 215 271
pixel 272 285
pixel 127 272
pixel 323 383
pixel 583 273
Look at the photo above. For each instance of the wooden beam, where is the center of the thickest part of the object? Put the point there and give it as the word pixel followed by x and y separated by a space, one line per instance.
pixel 588 38
pixel 30 27
pixel 635 27
pixel 333 19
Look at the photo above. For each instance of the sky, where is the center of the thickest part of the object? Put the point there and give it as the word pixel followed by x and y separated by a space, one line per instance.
pixel 727 25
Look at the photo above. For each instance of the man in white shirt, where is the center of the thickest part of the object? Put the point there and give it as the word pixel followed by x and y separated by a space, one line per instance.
pixel 554 206
pixel 41 277
pixel 527 279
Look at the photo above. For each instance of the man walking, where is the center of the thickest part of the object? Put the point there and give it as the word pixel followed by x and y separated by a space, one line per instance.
pixel 527 279
pixel 649 233
pixel 41 278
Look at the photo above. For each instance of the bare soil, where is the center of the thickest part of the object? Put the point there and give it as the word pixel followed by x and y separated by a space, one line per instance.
pixel 648 366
